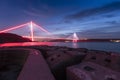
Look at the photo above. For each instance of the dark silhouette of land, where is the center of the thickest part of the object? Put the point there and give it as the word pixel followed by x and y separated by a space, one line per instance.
pixel 83 40
pixel 9 37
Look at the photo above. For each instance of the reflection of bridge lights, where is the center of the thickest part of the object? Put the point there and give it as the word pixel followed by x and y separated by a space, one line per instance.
pixel 75 45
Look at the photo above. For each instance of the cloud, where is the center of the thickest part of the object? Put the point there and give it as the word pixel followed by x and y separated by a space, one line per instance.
pixel 95 11
pixel 109 16
pixel 111 31
pixel 31 13
pixel 100 35
pixel 112 22
pixel 34 13
pixel 42 11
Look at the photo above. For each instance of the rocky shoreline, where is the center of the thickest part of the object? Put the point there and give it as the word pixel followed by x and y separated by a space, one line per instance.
pixel 78 63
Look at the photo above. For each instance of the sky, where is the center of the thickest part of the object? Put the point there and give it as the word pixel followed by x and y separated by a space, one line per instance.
pixel 86 18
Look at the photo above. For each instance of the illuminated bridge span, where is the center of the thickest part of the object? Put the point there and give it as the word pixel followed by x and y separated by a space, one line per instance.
pixel 32 25
pixel 73 37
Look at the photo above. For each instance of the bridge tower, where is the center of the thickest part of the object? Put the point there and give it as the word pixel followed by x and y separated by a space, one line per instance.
pixel 31 25
pixel 75 37
pixel 31 31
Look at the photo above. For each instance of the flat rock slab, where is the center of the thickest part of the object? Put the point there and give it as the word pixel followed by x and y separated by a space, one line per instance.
pixel 35 68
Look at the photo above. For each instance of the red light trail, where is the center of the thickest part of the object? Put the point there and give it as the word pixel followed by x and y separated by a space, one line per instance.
pixel 31 24
pixel 13 28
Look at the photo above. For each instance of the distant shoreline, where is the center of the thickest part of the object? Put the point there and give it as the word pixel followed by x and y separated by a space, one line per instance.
pixel 81 40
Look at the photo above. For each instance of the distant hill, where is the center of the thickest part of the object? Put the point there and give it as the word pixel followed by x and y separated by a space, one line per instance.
pixel 9 37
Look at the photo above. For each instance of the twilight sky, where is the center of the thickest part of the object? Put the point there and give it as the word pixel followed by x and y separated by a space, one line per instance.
pixel 88 18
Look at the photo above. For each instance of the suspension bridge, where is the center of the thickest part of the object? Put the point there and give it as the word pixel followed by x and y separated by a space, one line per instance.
pixel 31 25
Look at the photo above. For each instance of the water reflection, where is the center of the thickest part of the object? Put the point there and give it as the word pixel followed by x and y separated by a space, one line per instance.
pixel 26 44
pixel 106 46
pixel 75 45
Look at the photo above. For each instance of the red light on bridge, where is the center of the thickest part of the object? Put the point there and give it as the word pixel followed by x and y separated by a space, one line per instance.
pixel 32 25
pixel 13 28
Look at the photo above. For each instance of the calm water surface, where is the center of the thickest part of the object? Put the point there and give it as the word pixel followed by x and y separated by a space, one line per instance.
pixel 106 46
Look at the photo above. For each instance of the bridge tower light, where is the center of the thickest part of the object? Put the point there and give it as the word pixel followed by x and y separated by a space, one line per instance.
pixel 75 37
pixel 31 31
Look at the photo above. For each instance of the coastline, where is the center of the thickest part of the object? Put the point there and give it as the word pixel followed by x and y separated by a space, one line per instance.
pixel 63 60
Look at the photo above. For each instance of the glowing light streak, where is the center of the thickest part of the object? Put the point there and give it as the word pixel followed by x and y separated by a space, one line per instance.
pixel 13 28
pixel 45 37
pixel 75 37
pixel 41 28
pixel 26 44
pixel 32 25
pixel 31 31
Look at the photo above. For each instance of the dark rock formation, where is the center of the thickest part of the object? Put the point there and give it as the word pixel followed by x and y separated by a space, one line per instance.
pixel 75 64
pixel 9 37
